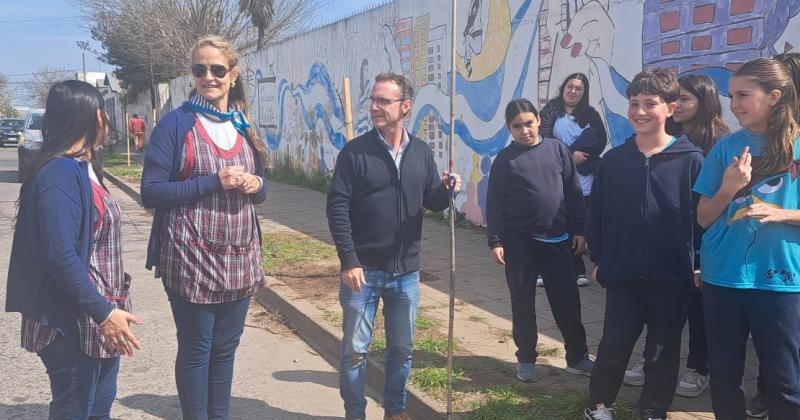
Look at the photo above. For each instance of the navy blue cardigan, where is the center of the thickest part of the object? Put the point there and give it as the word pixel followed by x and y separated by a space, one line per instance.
pixel 162 187
pixel 48 275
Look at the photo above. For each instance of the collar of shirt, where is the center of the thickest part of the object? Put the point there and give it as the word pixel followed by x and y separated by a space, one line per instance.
pixel 399 156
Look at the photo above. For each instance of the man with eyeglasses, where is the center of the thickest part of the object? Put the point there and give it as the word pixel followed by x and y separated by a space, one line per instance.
pixel 382 182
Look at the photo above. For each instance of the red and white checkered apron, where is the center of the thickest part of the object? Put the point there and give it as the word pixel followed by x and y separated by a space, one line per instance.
pixel 211 249
pixel 106 273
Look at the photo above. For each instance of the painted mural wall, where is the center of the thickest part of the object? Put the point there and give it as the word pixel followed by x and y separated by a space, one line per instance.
pixel 505 49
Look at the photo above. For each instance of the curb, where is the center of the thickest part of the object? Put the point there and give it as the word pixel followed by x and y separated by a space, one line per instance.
pixel 127 189
pixel 321 338
pixel 327 343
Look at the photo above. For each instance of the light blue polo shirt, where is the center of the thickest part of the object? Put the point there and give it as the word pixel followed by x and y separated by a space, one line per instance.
pixel 740 252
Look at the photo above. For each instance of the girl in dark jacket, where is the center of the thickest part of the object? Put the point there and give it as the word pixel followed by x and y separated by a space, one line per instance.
pixel 66 275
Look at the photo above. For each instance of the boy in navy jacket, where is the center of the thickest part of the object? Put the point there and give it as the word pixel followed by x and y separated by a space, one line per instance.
pixel 641 233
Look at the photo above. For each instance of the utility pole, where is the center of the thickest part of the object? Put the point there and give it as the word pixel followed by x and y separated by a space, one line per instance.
pixel 83 57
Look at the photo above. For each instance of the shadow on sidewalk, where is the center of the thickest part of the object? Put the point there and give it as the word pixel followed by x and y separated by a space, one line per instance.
pixel 24 411
pixel 168 407
pixel 329 379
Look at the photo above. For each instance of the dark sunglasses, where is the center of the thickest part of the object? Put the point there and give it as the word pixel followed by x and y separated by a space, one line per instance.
pixel 218 70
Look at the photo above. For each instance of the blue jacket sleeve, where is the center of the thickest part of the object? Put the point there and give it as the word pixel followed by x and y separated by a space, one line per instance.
pixel 496 196
pixel 60 215
pixel 436 197
pixel 158 188
pixel 260 196
pixel 593 228
pixel 338 210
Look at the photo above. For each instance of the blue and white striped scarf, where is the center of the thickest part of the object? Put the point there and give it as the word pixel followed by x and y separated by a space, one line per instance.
pixel 202 105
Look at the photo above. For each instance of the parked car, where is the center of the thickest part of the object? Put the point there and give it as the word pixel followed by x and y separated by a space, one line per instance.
pixel 10 130
pixel 30 142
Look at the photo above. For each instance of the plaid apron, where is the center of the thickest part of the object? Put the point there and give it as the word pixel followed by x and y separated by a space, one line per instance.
pixel 105 272
pixel 211 249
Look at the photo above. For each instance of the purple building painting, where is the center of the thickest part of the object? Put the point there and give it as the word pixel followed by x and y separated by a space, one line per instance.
pixel 685 35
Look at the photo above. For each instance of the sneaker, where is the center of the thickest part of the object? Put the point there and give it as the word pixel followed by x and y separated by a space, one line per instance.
pixel 604 413
pixel 539 282
pixel 526 372
pixel 583 367
pixel 692 384
pixel 582 281
pixel 635 375
pixel 757 406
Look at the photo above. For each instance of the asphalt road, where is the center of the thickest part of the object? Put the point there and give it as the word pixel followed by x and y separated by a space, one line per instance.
pixel 277 375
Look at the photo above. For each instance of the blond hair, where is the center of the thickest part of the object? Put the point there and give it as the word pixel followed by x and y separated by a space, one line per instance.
pixel 237 96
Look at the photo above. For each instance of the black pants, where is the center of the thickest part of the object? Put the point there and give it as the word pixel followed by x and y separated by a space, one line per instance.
pixel 580 266
pixel 527 258
pixel 628 307
pixel 698 347
pixel 773 319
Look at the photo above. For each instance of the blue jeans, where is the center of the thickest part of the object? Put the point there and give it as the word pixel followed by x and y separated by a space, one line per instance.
pixel 82 387
pixel 208 336
pixel 400 293
pixel 773 320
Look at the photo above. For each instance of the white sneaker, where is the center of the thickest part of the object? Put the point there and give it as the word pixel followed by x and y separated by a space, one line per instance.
pixel 539 282
pixel 599 414
pixel 692 384
pixel 635 375
pixel 582 281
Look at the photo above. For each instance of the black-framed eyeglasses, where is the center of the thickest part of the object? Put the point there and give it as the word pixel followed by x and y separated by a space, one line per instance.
pixel 383 102
pixel 218 70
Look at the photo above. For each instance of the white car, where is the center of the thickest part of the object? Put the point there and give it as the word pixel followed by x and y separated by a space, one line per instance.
pixel 30 141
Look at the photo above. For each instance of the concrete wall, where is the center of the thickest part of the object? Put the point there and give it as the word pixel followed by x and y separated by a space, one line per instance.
pixel 505 49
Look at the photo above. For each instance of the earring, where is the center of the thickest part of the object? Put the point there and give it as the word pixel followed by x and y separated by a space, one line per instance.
pixel 233 84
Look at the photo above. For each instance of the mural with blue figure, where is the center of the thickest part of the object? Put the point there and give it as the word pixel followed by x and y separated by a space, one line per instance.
pixel 315 110
pixel 505 49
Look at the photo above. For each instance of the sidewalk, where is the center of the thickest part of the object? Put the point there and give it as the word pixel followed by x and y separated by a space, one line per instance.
pixel 481 294
pixel 276 376
pixel 480 286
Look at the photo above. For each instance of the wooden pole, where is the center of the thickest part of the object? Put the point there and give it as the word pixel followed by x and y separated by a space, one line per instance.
pixel 128 139
pixel 348 112
pixel 451 170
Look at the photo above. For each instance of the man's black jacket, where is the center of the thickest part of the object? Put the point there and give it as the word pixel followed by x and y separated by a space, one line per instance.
pixel 374 212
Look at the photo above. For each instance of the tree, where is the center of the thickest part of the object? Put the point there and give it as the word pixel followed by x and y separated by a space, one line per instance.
pixel 261 13
pixel 38 86
pixel 6 108
pixel 149 40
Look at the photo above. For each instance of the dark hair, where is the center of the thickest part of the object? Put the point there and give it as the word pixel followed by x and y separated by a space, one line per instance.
pixel 70 117
pixel 655 81
pixel 582 111
pixel 792 62
pixel 237 96
pixel 519 106
pixel 135 115
pixel 406 88
pixel 782 129
pixel 707 126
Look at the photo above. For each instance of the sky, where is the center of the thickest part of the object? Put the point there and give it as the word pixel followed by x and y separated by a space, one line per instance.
pixel 35 34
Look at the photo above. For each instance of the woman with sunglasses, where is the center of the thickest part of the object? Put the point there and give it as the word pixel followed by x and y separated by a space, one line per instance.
pixel 202 174
pixel 66 274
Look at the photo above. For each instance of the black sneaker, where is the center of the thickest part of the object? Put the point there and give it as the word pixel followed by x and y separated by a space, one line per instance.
pixel 757 406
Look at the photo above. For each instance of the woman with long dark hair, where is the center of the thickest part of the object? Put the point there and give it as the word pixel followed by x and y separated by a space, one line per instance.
pixel 570 119
pixel 202 174
pixel 66 275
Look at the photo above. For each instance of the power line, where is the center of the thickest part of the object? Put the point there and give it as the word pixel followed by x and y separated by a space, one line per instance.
pixel 31 74
pixel 48 25
pixel 40 19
